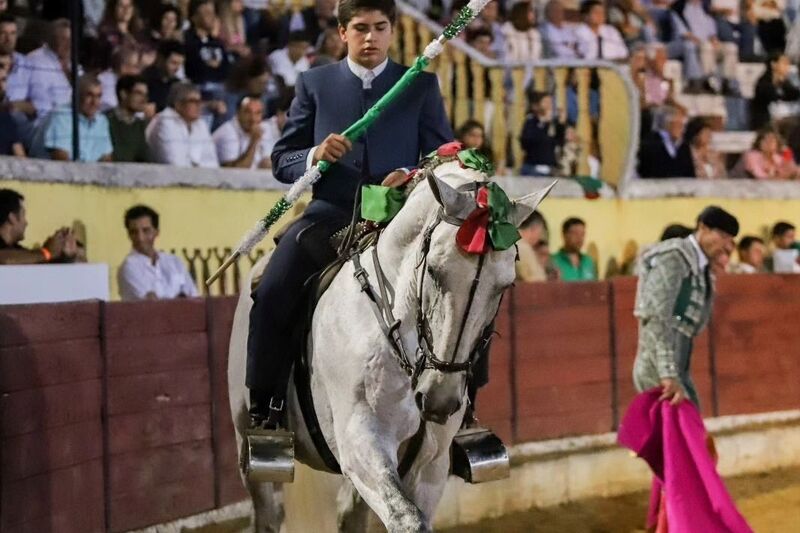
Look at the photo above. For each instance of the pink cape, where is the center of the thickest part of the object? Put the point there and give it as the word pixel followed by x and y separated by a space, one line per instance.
pixel 672 440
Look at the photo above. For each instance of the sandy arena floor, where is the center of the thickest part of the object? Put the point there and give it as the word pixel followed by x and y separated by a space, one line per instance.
pixel 770 502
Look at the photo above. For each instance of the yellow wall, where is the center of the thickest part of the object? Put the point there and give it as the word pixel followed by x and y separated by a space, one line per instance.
pixel 206 217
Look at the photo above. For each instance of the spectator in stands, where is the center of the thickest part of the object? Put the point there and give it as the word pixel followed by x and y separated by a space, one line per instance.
pixel 784 258
pixel 752 252
pixel 207 61
pixel 291 60
pixel 120 26
pixel 481 40
pixel 522 39
pixel 655 89
pixel 250 76
pixel 10 138
pixel 125 123
pixel 708 163
pixel 146 273
pixel 50 68
pixel 596 39
pixel 489 20
pixel 733 26
pixel 232 27
pixel 663 153
pixel 246 140
pixel 330 48
pixel 773 86
pixel 529 266
pixel 572 264
pixel 178 136
pixel 767 160
pixel 472 134
pixel 558 36
pixel 771 28
pixel 693 22
pixel 633 21
pixel 167 25
pixel 311 21
pixel 60 247
pixel 125 61
pixel 164 73
pixel 542 136
pixel 53 139
pixel 19 74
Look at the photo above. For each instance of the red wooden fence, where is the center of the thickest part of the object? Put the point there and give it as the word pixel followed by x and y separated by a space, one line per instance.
pixel 115 416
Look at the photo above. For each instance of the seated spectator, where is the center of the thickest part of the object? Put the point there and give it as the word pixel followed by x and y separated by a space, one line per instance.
pixel 53 139
pixel 246 140
pixel 773 86
pixel 735 26
pixel 291 60
pixel 61 247
pixel 472 134
pixel 572 264
pixel 125 61
pixel 19 74
pixel 119 27
pixel 662 153
pixel 693 23
pixel 766 160
pixel 658 89
pixel 164 73
pixel 751 252
pixel 784 258
pixel 232 28
pixel 771 28
pixel 708 163
pixel 529 266
pixel 330 48
pixel 125 123
pixel 596 39
pixel 541 137
pixel 50 67
pixel 146 273
pixel 250 76
pixel 633 21
pixel 489 20
pixel 481 40
pixel 558 36
pixel 10 138
pixel 311 21
pixel 207 61
pixel 167 25
pixel 522 41
pixel 178 136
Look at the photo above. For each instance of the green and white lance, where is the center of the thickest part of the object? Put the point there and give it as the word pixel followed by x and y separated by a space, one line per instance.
pixel 356 130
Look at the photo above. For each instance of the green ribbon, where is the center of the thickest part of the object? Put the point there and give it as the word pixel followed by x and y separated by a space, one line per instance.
pixel 379 203
pixel 471 158
pixel 502 233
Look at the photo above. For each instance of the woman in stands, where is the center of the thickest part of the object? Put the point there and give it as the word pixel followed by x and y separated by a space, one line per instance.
pixel 522 40
pixel 768 159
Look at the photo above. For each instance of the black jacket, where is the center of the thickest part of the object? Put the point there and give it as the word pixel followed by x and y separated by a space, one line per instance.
pixel 656 162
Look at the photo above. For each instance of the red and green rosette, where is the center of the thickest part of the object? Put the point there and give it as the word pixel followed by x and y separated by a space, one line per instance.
pixel 488 227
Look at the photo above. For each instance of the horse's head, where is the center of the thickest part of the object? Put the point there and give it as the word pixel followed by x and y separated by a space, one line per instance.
pixel 459 282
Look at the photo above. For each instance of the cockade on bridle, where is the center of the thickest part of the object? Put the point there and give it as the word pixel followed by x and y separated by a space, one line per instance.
pixel 485 229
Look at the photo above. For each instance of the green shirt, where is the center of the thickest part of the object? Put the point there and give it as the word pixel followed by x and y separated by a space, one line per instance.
pixel 127 138
pixel 585 271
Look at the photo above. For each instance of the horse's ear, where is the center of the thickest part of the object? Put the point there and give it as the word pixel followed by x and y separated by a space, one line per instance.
pixel 455 203
pixel 526 205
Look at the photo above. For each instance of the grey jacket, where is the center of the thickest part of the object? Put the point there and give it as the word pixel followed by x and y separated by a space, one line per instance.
pixel 674 298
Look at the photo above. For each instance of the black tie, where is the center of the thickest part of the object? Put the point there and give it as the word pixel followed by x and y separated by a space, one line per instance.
pixel 599 47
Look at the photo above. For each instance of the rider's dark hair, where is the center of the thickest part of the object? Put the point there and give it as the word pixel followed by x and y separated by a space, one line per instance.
pixel 349 8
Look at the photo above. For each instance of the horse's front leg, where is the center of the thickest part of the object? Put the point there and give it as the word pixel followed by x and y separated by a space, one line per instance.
pixel 370 462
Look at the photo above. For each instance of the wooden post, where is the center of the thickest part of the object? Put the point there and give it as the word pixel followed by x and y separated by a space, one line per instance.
pixel 498 130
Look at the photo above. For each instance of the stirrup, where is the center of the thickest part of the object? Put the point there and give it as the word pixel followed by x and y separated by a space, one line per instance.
pixel 268 451
pixel 477 455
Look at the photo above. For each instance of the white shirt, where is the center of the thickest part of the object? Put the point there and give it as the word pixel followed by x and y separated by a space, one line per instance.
pixel 168 278
pixel 173 142
pixel 702 260
pixel 19 79
pixel 560 42
pixel 613 45
pixel 521 45
pixel 232 141
pixel 49 86
pixel 700 23
pixel 108 82
pixel 282 66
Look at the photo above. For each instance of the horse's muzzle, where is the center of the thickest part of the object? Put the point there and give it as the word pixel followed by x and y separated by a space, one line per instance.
pixel 438 414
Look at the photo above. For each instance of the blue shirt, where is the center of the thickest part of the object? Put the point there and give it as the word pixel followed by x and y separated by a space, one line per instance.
pixel 56 134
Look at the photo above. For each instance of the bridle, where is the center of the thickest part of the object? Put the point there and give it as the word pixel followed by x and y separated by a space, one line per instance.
pixel 383 303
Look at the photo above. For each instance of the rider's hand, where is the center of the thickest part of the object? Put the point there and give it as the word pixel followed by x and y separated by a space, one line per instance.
pixel 671 388
pixel 396 178
pixel 332 148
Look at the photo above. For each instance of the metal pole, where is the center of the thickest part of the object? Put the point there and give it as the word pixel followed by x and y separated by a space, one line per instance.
pixel 76 30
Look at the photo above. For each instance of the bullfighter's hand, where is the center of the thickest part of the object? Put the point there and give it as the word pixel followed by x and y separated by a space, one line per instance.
pixel 671 388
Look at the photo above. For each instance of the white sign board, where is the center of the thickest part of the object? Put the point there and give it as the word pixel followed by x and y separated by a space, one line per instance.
pixel 29 284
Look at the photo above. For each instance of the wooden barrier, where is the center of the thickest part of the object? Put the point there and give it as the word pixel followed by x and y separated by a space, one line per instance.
pixel 115 416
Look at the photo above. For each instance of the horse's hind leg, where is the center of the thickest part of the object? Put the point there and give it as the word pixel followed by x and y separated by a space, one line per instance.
pixel 355 516
pixel 267 506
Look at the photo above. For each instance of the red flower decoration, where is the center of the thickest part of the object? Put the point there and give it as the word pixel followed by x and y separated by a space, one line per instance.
pixel 450 149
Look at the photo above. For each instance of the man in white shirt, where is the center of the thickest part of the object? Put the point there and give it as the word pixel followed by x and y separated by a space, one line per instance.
pixel 49 85
pixel 146 273
pixel 290 61
pixel 18 73
pixel 596 39
pixel 178 136
pixel 246 140
pixel 558 35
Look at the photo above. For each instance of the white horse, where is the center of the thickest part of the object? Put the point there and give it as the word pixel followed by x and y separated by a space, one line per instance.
pixel 364 399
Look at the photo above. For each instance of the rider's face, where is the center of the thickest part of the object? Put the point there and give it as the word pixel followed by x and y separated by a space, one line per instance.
pixel 368 36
